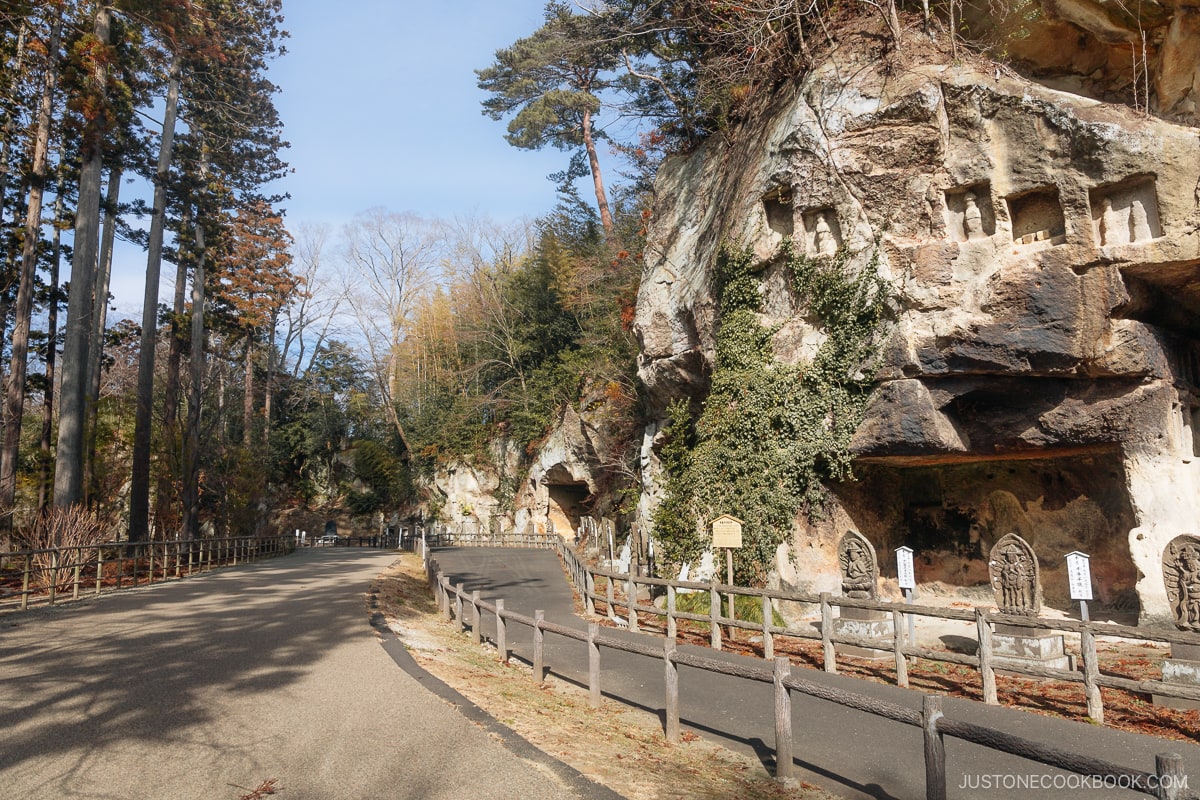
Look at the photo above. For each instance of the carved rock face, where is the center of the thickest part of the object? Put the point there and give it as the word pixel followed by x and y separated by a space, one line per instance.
pixel 1014 572
pixel 860 568
pixel 1181 573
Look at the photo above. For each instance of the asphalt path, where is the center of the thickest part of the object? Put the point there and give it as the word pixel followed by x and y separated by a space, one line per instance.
pixel 850 753
pixel 206 687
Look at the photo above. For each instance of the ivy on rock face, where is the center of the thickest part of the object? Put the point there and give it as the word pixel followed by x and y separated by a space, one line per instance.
pixel 770 434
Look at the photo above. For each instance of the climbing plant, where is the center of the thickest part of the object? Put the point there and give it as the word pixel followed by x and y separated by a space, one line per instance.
pixel 769 435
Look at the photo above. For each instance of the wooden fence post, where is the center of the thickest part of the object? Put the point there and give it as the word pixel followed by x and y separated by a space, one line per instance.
pixel 589 591
pixel 608 596
pixel 631 596
pixel 714 613
pixel 935 748
pixel 768 637
pixel 987 674
pixel 444 583
pixel 501 632
pixel 539 647
pixel 1091 672
pixel 827 633
pixel 458 606
pixel 25 581
pixel 671 676
pixel 899 640
pixel 476 638
pixel 1172 781
pixel 100 568
pixel 593 665
pixel 783 719
pixel 672 623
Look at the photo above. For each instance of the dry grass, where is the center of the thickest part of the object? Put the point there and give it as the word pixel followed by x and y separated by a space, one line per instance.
pixel 617 746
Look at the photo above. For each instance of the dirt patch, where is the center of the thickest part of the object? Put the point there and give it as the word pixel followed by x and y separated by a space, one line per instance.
pixel 615 745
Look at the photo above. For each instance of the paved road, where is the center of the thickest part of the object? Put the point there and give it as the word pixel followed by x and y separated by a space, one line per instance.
pixel 269 670
pixel 850 753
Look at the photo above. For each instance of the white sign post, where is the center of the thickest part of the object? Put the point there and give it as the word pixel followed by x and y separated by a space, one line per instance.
pixel 1079 576
pixel 906 577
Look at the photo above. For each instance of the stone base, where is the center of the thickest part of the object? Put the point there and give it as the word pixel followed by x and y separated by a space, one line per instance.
pixel 1018 647
pixel 867 624
pixel 1183 667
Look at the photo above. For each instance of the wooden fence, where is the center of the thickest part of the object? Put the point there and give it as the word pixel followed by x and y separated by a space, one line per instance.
pixel 1168 781
pixel 49 575
pixel 983 622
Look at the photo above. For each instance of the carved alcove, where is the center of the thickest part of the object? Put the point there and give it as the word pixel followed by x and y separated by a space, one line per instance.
pixel 822 232
pixel 969 213
pixel 1125 212
pixel 1037 216
pixel 777 205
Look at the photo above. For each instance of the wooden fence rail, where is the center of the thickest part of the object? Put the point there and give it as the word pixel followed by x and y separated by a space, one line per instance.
pixel 1168 781
pixel 1088 674
pixel 46 575
pixel 621 591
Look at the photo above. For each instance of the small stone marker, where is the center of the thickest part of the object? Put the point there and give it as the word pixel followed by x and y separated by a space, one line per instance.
pixel 1014 571
pixel 860 580
pixel 1013 567
pixel 1181 574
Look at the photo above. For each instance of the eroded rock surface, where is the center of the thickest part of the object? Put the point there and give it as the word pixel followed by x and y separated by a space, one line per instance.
pixel 1045 252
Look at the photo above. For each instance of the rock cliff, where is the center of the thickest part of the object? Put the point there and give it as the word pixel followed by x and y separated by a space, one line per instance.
pixel 1041 371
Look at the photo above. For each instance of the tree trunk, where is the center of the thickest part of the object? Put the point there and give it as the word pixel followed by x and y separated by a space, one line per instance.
pixel 248 394
pixel 10 124
pixel 269 384
pixel 68 459
pixel 99 322
pixel 44 484
pixel 139 486
pixel 191 450
pixel 594 162
pixel 171 390
pixel 14 400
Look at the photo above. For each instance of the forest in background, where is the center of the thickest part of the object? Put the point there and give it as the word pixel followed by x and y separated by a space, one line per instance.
pixel 330 368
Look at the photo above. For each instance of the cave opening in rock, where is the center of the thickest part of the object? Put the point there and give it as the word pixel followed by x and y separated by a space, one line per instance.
pixel 951 513
pixel 567 504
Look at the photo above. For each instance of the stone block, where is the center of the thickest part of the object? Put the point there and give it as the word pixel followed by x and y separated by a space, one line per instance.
pixel 1032 648
pixel 1183 667
pixel 867 624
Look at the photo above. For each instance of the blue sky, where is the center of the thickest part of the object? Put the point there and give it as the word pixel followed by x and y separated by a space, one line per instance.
pixel 380 104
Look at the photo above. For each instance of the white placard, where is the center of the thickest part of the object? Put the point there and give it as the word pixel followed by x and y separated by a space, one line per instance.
pixel 1079 575
pixel 904 568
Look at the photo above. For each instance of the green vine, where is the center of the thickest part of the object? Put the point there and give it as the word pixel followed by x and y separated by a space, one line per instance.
pixel 770 435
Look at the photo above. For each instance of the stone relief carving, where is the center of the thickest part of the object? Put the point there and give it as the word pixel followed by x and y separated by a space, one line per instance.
pixel 860 568
pixel 1013 568
pixel 1126 213
pixel 825 243
pixel 1181 573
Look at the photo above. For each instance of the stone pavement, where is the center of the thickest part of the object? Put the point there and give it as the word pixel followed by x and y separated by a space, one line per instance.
pixel 206 687
pixel 847 752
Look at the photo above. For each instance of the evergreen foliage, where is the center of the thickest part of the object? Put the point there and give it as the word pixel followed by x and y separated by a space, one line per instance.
pixel 770 435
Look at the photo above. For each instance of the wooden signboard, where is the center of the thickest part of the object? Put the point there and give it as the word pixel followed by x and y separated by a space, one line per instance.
pixel 904 568
pixel 1079 575
pixel 726 532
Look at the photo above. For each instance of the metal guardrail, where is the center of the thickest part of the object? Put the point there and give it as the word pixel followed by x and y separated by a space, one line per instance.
pixel 53 574
pixel 1168 781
